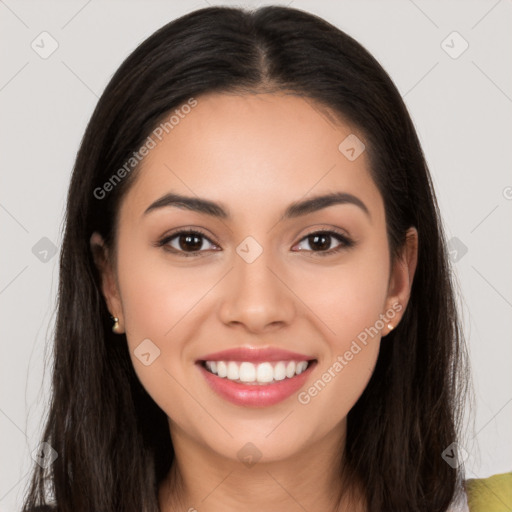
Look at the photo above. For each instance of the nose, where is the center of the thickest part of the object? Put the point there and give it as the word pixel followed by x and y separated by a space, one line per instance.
pixel 257 296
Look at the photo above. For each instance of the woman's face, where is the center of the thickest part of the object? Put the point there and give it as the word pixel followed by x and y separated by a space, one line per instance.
pixel 254 278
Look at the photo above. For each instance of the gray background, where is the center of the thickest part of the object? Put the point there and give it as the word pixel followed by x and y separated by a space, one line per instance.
pixel 462 110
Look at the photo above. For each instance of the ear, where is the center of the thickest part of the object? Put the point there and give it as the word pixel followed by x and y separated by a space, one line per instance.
pixel 401 278
pixel 109 285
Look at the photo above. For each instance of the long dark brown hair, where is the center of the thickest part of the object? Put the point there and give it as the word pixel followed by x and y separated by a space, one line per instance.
pixel 112 440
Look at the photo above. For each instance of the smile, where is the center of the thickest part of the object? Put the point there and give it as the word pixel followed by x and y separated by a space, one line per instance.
pixel 255 377
pixel 262 373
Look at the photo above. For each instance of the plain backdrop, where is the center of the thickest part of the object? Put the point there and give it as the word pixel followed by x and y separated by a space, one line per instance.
pixel 460 100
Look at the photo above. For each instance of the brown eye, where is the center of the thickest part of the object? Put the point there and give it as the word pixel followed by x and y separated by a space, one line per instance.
pixel 320 242
pixel 190 242
pixel 183 242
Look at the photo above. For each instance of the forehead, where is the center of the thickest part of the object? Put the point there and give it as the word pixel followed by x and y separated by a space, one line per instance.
pixel 250 152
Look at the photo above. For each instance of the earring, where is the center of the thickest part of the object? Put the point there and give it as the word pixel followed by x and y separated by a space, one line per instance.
pixel 390 327
pixel 115 327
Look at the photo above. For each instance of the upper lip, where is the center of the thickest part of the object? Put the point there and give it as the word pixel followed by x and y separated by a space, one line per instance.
pixel 255 355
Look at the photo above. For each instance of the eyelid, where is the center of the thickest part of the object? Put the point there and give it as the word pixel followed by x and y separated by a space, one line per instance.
pixel 324 228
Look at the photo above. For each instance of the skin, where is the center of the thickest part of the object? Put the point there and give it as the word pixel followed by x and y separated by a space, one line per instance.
pixel 255 154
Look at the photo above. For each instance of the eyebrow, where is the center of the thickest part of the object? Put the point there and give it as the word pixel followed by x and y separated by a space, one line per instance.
pixel 295 209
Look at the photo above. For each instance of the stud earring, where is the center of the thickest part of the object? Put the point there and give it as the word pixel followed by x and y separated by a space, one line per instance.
pixel 390 327
pixel 115 327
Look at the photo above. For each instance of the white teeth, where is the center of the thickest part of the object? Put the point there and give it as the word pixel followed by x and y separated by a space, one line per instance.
pixel 261 373
pixel 247 372
pixel 290 369
pixel 233 373
pixel 301 367
pixel 265 373
pixel 222 369
pixel 212 366
pixel 279 371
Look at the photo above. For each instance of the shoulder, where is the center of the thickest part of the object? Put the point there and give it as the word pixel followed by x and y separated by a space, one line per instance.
pixel 493 494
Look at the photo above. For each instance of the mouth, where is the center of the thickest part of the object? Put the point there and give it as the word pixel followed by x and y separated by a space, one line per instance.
pixel 262 374
pixel 256 377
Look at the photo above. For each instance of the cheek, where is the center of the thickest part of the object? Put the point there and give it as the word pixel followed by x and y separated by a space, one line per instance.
pixel 157 296
pixel 348 297
pixel 153 302
pixel 161 302
pixel 156 299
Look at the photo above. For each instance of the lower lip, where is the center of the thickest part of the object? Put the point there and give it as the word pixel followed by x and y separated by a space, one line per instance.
pixel 256 395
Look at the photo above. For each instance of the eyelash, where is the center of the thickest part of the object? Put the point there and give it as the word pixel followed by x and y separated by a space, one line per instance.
pixel 346 242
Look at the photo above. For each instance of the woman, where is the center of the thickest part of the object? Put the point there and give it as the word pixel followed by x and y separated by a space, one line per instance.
pixel 255 304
